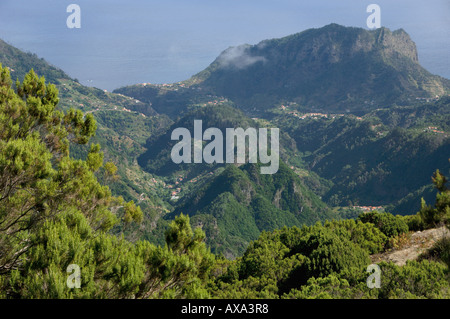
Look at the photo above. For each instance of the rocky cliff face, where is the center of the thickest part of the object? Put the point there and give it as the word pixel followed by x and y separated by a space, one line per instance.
pixel 396 42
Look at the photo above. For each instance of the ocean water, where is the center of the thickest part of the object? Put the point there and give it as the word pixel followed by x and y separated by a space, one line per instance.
pixel 126 42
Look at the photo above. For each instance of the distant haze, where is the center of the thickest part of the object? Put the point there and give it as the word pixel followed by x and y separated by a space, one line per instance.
pixel 126 42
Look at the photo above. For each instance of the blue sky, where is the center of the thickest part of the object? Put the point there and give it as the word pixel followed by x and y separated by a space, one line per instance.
pixel 125 42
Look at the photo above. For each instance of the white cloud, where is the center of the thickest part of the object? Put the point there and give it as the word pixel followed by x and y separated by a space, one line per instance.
pixel 238 57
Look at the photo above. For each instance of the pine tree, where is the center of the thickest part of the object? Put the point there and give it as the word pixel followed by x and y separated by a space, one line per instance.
pixel 54 214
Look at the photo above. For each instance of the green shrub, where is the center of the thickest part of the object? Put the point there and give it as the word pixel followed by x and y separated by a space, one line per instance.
pixel 424 279
pixel 414 222
pixel 366 235
pixel 327 252
pixel 389 224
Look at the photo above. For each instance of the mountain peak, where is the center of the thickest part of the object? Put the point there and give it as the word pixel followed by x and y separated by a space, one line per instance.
pixel 325 38
pixel 334 67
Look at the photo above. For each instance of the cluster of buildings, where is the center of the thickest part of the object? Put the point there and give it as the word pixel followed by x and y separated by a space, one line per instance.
pixel 303 116
pixel 176 192
pixel 215 102
pixel 369 208
pixel 316 115
pixel 427 99
pixel 433 129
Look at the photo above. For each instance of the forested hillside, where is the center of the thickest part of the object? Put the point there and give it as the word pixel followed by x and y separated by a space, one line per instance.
pixel 87 178
pixel 259 202
pixel 377 159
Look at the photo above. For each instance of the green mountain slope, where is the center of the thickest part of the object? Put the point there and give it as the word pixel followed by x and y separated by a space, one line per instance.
pixel 172 99
pixel 71 93
pixel 157 158
pixel 376 159
pixel 234 207
pixel 122 125
pixel 20 63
